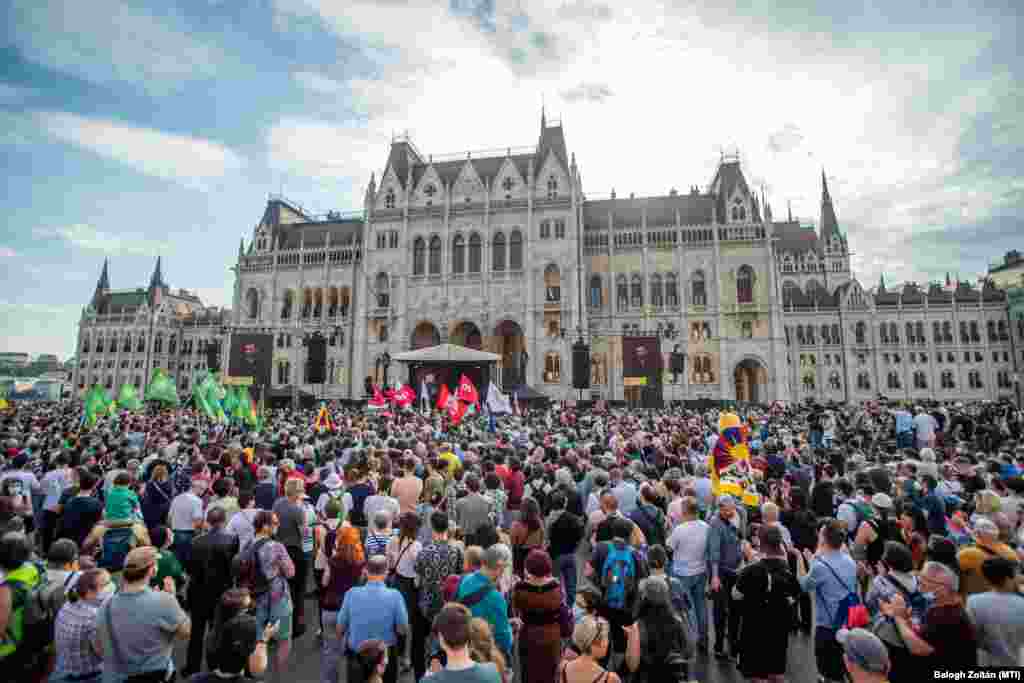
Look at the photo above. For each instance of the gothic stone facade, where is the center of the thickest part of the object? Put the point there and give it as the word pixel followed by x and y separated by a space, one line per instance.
pixel 505 253
pixel 124 334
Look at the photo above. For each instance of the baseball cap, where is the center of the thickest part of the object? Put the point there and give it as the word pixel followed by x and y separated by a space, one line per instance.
pixel 881 500
pixel 864 649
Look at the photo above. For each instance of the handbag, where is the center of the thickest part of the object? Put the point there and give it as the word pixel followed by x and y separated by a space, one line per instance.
pixel 165 676
pixel 392 580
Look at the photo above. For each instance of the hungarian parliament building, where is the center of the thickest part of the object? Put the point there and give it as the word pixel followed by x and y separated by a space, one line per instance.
pixel 504 252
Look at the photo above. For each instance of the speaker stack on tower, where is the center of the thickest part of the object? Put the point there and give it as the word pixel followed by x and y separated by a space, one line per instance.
pixel 580 365
pixel 316 350
pixel 213 355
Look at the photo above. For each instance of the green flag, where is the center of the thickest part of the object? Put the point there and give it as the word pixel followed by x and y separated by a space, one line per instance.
pixel 161 388
pixel 128 397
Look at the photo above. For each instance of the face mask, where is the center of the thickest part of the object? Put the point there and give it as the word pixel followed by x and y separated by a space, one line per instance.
pixel 930 597
pixel 578 613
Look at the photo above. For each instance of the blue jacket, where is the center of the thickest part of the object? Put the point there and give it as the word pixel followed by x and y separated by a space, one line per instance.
pixel 493 609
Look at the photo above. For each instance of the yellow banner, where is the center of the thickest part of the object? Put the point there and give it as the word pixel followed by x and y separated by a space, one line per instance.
pixel 238 381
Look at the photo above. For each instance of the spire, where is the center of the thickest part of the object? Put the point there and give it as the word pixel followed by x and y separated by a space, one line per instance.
pixel 881 282
pixel 104 282
pixel 543 119
pixel 829 225
pixel 157 279
pixel 241 247
pixel 948 283
pixel 789 205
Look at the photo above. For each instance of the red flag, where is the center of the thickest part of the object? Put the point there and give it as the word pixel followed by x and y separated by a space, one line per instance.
pixel 378 399
pixel 456 409
pixel 467 392
pixel 442 397
pixel 405 396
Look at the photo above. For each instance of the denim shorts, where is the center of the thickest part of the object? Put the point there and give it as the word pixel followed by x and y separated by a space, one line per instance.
pixel 267 612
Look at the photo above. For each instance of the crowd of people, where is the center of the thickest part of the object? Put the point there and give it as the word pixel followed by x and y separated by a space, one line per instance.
pixel 563 545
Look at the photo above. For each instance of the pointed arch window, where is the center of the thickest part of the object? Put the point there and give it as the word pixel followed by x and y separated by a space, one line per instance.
pixel 141 346
pixel 498 247
pixel 894 333
pixel 172 344
pixel 128 343
pixel 698 290
pixel 545 230
pixel 622 292
pixel 419 256
pixel 671 290
pixel 158 344
pixel 745 285
pixel 435 255
pixel 389 199
pixel 99 344
pixel 596 299
pixel 552 284
pixel 430 190
pixel 657 291
pixel 459 254
pixel 475 253
pixel 552 187
pixel 836 338
pixel 383 290
pixel 636 291
pixel 85 343
pixel 861 331
pixel 559 229
pixel 515 251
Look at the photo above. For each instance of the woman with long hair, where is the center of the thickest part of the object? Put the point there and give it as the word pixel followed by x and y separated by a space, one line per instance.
pixel 156 499
pixel 592 639
pixel 482 647
pixel 656 645
pixel 402 551
pixel 344 570
pixel 914 533
pixel 527 534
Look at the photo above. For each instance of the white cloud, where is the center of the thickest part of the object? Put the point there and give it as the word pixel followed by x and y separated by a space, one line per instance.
pixel 868 108
pixel 38 328
pixel 107 41
pixel 318 83
pixel 87 237
pixel 190 161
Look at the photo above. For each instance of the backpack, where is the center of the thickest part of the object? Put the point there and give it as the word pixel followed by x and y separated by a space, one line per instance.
pixel 329 540
pixel 915 600
pixel 847 605
pixel 117 543
pixel 657 526
pixel 473 598
pixel 780 594
pixel 618 576
pixel 248 570
pixel 36 613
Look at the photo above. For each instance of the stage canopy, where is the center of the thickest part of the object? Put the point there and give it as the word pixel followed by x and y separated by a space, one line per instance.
pixel 446 353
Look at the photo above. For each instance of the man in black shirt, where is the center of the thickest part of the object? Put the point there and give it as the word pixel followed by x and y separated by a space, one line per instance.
pixel 565 531
pixel 82 511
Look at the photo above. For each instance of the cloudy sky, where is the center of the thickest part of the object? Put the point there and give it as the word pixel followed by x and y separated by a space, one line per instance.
pixel 131 129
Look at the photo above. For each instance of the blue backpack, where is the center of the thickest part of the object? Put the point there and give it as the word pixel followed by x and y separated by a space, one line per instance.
pixel 619 575
pixel 841 616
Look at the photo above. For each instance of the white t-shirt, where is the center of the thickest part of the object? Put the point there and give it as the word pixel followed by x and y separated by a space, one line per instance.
pixel 689 542
pixel 186 510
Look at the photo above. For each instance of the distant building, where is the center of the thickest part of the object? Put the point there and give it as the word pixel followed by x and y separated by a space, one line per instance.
pixel 47 362
pixel 14 359
pixel 124 334
pixel 1009 272
pixel 504 252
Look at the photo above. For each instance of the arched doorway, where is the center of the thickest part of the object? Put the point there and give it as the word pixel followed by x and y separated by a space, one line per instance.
pixel 425 335
pixel 511 346
pixel 467 334
pixel 751 381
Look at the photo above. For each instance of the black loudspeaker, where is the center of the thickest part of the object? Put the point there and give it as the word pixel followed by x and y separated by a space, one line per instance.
pixel 580 366
pixel 213 355
pixel 316 350
pixel 677 362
